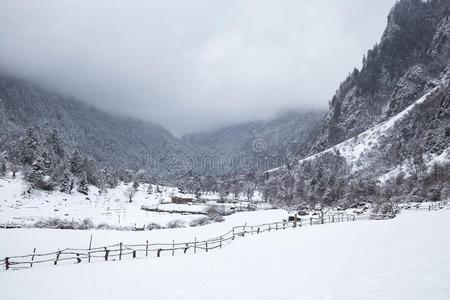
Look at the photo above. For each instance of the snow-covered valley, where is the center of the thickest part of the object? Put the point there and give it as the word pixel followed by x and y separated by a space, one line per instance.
pixel 195 150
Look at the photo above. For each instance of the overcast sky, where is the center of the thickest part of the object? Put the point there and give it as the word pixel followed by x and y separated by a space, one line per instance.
pixel 191 65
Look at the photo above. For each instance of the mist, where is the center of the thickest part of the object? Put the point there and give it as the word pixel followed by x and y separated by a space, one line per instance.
pixel 190 65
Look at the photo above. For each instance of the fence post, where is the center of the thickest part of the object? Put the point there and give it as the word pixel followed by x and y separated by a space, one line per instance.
pixel 120 251
pixel 186 249
pixel 295 220
pixel 7 263
pixel 78 258
pixel 333 218
pixel 310 221
pixel 221 238
pixel 251 229
pixel 32 257
pixel 90 247
pixel 269 227
pixel 106 254
pixel 134 253
pixel 322 218
pixel 173 247
pixel 146 249
pixel 276 226
pixel 257 231
pixel 195 243
pixel 206 246
pixel 57 257
pixel 158 254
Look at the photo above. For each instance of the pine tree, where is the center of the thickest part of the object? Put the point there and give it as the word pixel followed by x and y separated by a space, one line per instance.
pixel 55 143
pixel 36 177
pixel 83 185
pixel 111 178
pixel 90 168
pixel 66 184
pixel 197 192
pixel 135 185
pixel 30 144
pixel 150 189
pixel 2 167
pixel 76 164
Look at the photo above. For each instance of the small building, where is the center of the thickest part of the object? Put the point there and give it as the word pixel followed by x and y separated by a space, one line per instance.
pixel 180 200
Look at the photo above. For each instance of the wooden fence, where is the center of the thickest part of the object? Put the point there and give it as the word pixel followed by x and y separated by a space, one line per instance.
pixel 123 251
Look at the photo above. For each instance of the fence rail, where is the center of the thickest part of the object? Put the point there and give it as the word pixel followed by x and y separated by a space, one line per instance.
pixel 121 251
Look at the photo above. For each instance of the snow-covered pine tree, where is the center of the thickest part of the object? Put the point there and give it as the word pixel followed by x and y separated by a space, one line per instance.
pixel 197 192
pixel 55 143
pixel 38 177
pixel 83 185
pixel 2 167
pixel 90 167
pixel 76 163
pixel 66 184
pixel 150 189
pixel 135 185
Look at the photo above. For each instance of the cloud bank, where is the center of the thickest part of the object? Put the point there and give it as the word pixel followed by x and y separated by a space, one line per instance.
pixel 190 65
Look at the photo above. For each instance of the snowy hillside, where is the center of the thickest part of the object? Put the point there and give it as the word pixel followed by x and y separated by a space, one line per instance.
pixel 358 150
pixel 403 258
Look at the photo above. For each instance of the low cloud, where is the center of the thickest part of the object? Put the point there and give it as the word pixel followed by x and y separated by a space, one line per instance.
pixel 190 65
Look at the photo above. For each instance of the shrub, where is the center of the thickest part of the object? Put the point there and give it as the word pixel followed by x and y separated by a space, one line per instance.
pixel 57 223
pixel 214 210
pixel 176 224
pixel 86 224
pixel 104 226
pixel 153 226
pixel 384 209
pixel 199 222
pixel 215 213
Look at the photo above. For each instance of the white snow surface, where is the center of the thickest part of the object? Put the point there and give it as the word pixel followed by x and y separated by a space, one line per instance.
pixel 112 208
pixel 22 240
pixel 404 258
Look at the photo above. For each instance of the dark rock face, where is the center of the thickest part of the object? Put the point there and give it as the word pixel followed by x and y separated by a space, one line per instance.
pixel 409 60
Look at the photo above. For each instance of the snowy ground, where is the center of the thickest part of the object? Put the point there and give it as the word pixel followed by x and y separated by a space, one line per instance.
pixel 112 208
pixel 404 258
pixel 22 240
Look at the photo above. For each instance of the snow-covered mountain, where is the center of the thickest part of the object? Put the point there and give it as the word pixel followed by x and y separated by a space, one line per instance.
pixel 280 138
pixel 110 140
pixel 407 63
pixel 387 134
pixel 121 142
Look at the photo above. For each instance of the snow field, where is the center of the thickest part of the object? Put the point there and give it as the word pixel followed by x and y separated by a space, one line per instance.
pixel 403 258
pixel 112 208
pixel 22 241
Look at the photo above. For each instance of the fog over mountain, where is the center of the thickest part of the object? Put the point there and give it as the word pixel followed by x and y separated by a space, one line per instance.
pixel 193 65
